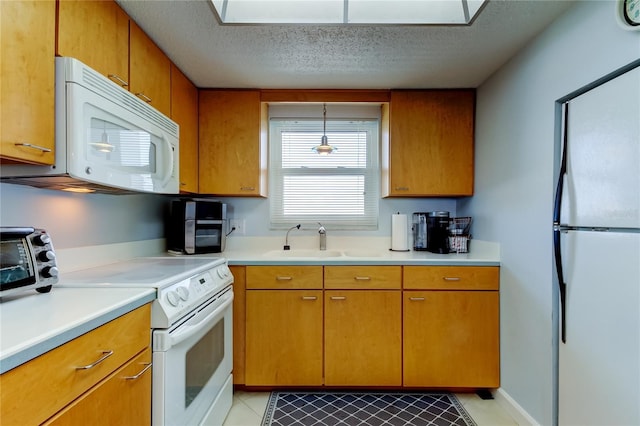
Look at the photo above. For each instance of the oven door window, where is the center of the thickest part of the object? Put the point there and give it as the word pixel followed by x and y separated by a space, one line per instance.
pixel 202 361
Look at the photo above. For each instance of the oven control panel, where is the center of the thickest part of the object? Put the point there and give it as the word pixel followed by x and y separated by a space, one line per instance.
pixel 178 299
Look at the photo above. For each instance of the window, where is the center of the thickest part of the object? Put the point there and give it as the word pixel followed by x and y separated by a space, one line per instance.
pixel 340 190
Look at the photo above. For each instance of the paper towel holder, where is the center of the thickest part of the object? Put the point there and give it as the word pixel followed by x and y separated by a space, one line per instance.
pixel 404 233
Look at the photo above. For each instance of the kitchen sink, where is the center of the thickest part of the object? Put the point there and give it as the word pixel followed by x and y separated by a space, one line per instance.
pixel 363 253
pixel 314 253
pixel 311 253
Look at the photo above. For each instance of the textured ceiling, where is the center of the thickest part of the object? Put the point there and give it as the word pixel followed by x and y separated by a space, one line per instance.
pixel 340 57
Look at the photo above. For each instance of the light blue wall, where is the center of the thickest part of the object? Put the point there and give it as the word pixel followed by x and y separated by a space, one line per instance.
pixel 515 182
pixel 255 212
pixel 77 220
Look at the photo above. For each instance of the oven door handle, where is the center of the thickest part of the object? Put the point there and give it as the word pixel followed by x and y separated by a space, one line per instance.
pixel 190 328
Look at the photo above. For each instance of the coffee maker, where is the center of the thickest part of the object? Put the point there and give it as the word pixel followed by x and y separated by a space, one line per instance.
pixel 431 231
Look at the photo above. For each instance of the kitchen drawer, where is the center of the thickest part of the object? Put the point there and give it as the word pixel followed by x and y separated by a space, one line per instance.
pixel 124 397
pixel 29 402
pixel 451 277
pixel 284 277
pixel 362 277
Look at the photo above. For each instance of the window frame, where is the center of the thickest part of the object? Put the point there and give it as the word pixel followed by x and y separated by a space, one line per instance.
pixel 371 173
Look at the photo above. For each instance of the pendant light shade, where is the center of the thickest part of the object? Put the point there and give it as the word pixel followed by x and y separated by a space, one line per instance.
pixel 324 148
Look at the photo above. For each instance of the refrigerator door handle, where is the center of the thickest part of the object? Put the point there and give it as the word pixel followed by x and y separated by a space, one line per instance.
pixel 562 286
pixel 557 207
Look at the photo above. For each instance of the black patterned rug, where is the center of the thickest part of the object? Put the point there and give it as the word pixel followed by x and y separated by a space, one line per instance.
pixel 370 409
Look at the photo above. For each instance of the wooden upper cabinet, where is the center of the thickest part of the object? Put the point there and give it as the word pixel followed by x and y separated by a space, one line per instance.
pixel 232 143
pixel 429 148
pixel 97 34
pixel 150 71
pixel 184 111
pixel 27 83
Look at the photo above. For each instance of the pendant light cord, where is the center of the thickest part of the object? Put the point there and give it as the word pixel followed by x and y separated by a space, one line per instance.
pixel 324 115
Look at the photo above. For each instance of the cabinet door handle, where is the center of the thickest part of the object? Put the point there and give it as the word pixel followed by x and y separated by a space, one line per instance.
pixel 247 188
pixel 338 298
pixel 401 188
pixel 105 355
pixel 451 278
pixel 362 278
pixel 144 97
pixel 29 145
pixel 118 80
pixel 417 299
pixel 148 366
pixel 309 298
pixel 282 278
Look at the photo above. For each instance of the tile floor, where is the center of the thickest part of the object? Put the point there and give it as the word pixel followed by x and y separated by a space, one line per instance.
pixel 248 409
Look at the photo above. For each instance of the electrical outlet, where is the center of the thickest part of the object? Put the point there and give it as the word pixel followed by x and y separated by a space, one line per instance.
pixel 239 224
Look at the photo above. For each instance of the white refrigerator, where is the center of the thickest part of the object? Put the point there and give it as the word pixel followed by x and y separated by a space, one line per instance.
pixel 597 253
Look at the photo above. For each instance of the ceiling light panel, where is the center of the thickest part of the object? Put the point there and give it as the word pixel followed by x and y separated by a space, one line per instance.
pixel 390 12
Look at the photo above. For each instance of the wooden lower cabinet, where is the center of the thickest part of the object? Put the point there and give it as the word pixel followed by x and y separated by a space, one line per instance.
pixel 363 338
pixel 54 382
pixel 376 326
pixel 283 338
pixel 123 398
pixel 451 339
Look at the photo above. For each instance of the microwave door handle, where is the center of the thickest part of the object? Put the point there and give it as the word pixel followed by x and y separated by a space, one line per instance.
pixel 169 164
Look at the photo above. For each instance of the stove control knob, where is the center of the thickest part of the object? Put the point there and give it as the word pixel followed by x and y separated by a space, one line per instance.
pixel 223 272
pixel 183 292
pixel 173 298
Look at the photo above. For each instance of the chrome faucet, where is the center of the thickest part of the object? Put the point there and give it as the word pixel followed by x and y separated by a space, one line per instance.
pixel 286 239
pixel 323 237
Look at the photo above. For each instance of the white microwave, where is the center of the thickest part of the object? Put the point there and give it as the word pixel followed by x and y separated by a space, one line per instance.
pixel 107 139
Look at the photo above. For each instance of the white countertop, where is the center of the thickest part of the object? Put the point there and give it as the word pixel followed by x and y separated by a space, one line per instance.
pixel 348 251
pixel 32 323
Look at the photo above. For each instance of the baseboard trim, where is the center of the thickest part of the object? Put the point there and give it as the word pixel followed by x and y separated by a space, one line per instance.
pixel 514 409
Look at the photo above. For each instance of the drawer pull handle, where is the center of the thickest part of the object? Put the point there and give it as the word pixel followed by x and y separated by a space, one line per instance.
pixel 144 97
pixel 451 278
pixel 417 299
pixel 338 298
pixel 401 188
pixel 105 355
pixel 309 298
pixel 115 78
pixel 362 278
pixel 148 366
pixel 247 188
pixel 29 145
pixel 280 278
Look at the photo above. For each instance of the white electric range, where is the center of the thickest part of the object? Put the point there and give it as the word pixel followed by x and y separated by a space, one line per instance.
pixel 191 322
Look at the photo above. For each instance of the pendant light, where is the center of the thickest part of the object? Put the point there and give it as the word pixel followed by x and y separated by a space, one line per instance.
pixel 324 148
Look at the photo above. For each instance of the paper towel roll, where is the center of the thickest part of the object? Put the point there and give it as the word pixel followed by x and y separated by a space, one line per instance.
pixel 399 234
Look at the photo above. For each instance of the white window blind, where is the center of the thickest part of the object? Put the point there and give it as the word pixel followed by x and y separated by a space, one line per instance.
pixel 340 190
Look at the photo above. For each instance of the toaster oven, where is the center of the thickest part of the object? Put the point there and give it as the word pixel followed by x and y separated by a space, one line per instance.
pixel 27 260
